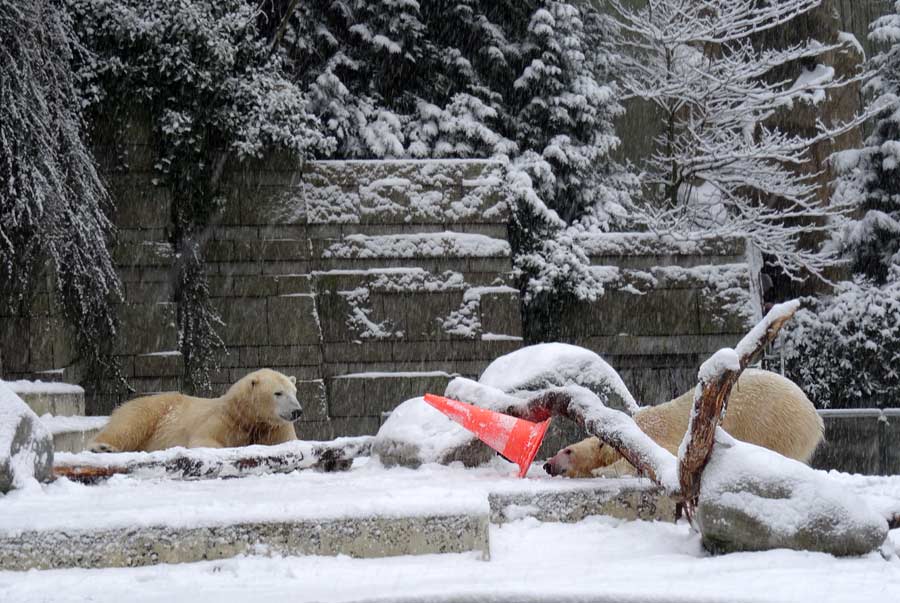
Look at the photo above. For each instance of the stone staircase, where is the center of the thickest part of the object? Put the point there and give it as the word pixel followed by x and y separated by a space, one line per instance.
pixel 359 513
pixel 61 409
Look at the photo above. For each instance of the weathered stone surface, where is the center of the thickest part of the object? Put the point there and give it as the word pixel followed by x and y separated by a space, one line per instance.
pixel 890 442
pixel 292 320
pixel 624 498
pixel 371 394
pixel 753 499
pixel 146 328
pixel 158 364
pixel 66 402
pixel 245 321
pixel 26 447
pixel 354 536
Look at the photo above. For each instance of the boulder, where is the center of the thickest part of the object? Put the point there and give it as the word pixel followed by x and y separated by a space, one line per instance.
pixel 26 446
pixel 753 499
pixel 548 365
pixel 416 433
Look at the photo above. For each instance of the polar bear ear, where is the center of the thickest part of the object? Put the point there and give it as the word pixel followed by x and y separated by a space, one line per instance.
pixel 254 381
pixel 293 380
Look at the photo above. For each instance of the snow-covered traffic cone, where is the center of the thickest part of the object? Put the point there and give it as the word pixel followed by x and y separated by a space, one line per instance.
pixel 516 439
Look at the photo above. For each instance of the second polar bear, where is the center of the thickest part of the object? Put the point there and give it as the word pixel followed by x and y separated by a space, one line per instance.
pixel 765 409
pixel 257 409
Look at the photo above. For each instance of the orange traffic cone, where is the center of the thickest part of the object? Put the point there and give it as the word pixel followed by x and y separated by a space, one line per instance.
pixel 516 439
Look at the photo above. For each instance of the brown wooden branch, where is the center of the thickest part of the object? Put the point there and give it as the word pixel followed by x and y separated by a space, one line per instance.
pixel 197 464
pixel 710 405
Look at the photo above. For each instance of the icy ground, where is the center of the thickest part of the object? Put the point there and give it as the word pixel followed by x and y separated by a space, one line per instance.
pixel 598 559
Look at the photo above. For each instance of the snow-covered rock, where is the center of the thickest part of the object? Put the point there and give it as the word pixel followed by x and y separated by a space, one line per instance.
pixel 548 365
pixel 753 499
pixel 416 433
pixel 26 446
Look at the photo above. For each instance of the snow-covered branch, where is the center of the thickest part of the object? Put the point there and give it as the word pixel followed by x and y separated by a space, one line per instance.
pixel 721 164
pixel 716 378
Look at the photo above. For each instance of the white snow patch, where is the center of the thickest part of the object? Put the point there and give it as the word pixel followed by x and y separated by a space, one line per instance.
pixel 43 387
pixel 555 364
pixel 68 424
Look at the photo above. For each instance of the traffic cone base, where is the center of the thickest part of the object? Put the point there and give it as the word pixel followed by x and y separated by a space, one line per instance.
pixel 516 439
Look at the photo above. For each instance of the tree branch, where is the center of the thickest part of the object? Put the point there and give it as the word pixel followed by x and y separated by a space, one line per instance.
pixel 717 377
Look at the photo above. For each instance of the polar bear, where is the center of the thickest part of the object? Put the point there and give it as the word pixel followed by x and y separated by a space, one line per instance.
pixel 258 409
pixel 765 409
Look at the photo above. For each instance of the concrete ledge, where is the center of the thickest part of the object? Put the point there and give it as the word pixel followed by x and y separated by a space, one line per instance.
pixel 50 398
pixel 72 433
pixel 628 498
pixel 357 537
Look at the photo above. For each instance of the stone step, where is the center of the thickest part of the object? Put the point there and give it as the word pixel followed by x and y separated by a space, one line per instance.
pixel 623 498
pixel 72 433
pixel 372 536
pixel 366 512
pixel 57 399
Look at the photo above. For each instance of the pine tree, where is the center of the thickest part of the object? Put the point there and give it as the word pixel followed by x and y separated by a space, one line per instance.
pixel 870 177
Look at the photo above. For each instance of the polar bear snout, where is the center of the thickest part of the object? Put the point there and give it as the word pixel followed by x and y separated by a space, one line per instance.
pixel 288 407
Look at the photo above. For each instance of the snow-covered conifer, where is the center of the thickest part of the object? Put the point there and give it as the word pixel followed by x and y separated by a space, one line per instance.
pixel 870 177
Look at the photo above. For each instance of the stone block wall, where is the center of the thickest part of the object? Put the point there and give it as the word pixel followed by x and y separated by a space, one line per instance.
pixel 375 281
pixel 668 305
pixel 368 280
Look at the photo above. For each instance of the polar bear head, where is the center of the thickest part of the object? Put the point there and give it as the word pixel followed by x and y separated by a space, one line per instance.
pixel 580 459
pixel 266 396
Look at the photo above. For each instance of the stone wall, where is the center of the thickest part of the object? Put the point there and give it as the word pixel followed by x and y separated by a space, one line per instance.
pixel 375 281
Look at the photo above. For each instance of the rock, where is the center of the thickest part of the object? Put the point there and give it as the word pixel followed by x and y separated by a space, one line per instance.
pixel 546 365
pixel 417 433
pixel 753 499
pixel 26 446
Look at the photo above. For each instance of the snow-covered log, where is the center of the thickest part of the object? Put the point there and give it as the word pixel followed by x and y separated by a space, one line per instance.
pixel 209 463
pixel 716 378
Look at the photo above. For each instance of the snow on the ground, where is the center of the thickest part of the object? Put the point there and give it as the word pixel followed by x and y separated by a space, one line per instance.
pixel 368 489
pixel 597 559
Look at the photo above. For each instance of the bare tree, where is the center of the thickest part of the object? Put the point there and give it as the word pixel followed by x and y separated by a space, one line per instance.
pixel 720 165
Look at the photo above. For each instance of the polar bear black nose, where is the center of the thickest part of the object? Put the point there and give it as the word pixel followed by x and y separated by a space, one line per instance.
pixel 296 414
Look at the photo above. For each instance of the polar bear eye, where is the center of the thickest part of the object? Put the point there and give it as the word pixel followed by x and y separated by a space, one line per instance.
pixel 568 451
pixel 278 393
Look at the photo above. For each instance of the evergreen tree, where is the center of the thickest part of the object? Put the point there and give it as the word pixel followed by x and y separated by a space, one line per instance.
pixel 870 177
pixel 215 91
pixel 529 81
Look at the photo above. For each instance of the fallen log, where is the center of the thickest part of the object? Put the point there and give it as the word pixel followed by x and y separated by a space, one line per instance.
pixel 213 463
